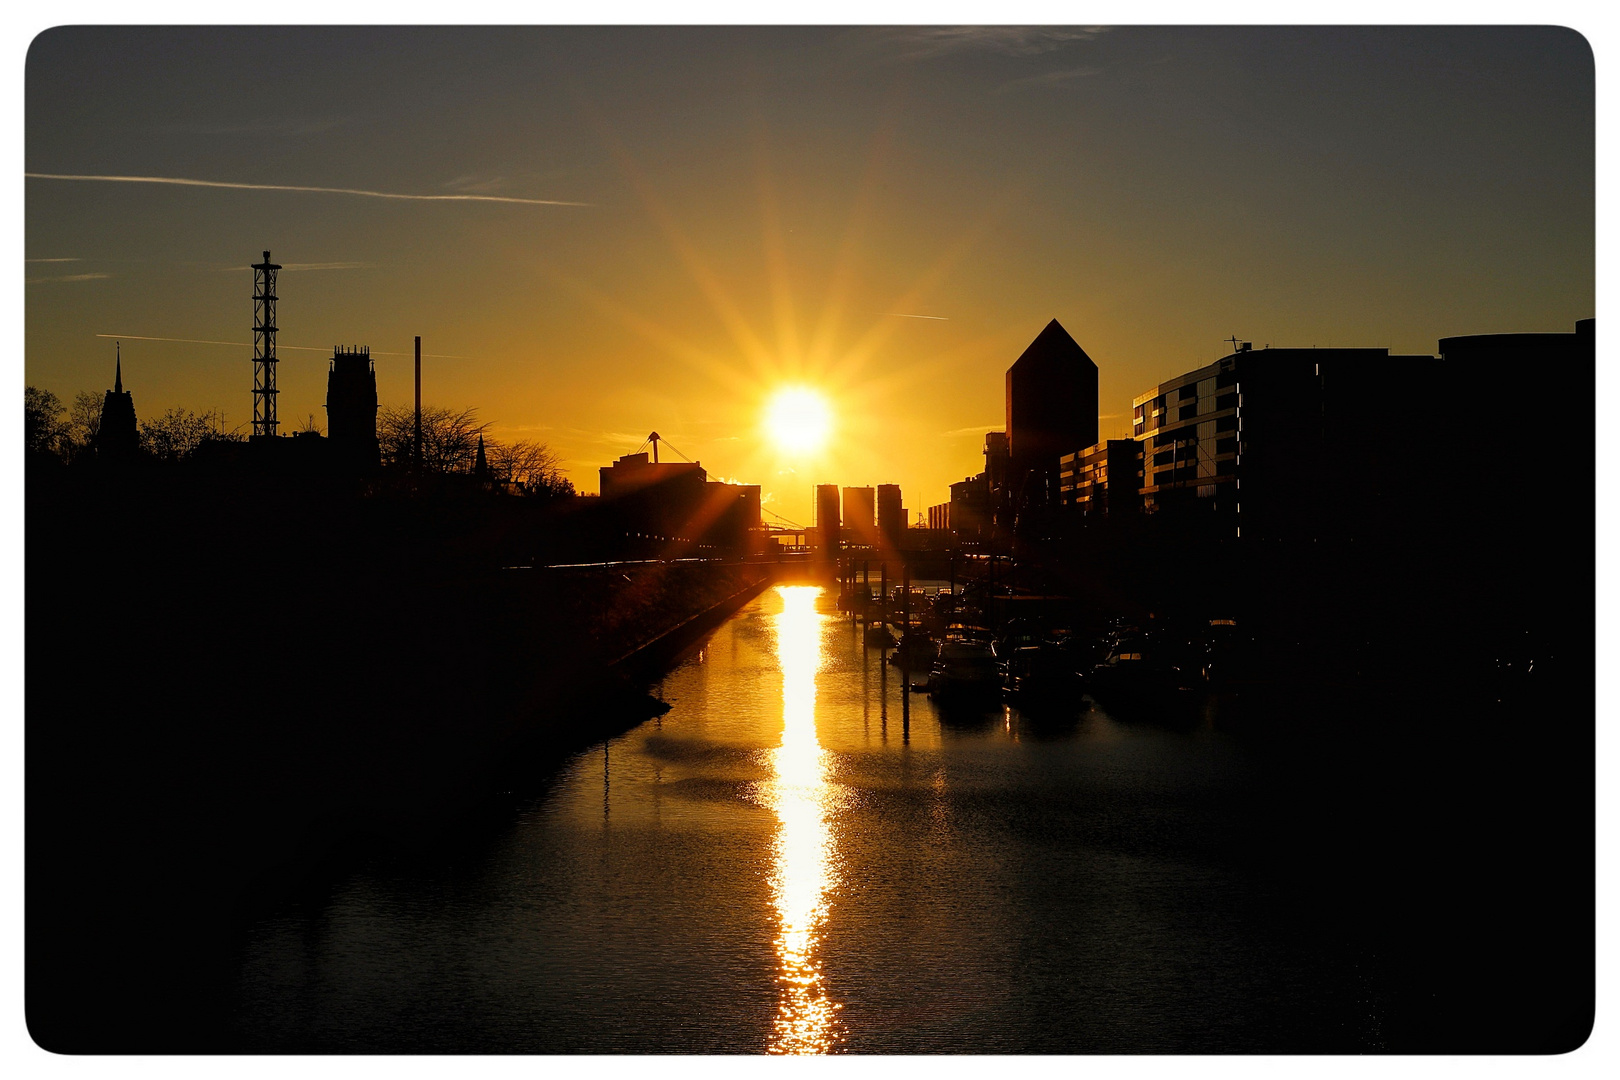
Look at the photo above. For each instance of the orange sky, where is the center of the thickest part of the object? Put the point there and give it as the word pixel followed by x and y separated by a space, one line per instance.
pixel 764 206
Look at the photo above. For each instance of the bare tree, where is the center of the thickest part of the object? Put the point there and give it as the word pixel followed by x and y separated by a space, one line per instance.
pixel 179 432
pixel 532 464
pixel 43 424
pixel 449 438
pixel 83 423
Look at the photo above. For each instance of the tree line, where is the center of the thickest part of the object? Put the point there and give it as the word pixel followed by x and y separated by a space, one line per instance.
pixel 67 433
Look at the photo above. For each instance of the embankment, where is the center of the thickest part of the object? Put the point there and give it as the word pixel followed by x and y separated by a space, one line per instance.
pixel 226 686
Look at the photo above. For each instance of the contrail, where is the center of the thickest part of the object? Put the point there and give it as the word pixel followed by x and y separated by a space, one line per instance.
pixel 902 315
pixel 247 345
pixel 184 182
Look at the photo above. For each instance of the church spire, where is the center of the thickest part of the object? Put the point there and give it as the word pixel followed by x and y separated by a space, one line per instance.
pixel 118 371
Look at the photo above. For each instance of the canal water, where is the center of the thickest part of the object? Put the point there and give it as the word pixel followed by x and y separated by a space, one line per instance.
pixel 801 857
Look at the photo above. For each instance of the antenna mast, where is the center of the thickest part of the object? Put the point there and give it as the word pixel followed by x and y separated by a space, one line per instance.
pixel 264 348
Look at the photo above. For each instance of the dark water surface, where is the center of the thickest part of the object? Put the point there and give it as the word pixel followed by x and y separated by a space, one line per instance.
pixel 787 862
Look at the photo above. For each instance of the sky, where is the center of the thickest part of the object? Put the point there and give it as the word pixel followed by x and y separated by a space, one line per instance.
pixel 665 225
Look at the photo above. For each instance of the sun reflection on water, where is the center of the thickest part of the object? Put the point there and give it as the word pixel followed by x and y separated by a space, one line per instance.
pixel 802 870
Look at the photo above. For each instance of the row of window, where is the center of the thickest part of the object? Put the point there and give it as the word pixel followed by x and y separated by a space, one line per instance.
pixel 1188 412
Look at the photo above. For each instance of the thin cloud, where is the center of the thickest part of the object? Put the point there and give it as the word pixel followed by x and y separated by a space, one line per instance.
pixel 67 277
pixel 963 432
pixel 286 127
pixel 903 315
pixel 329 266
pixel 476 184
pixel 279 346
pixel 929 42
pixel 186 182
pixel 53 260
pixel 1046 79
pixel 305 266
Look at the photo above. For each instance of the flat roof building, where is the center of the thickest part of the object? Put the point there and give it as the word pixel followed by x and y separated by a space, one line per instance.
pixel 1103 479
pixel 675 501
pixel 860 516
pixel 1278 442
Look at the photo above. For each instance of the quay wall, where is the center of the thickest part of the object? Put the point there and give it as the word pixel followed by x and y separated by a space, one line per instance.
pixel 234 695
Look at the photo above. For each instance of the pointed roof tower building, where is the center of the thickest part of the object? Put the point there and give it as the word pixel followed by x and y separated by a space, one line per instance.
pixel 1051 404
pixel 117 438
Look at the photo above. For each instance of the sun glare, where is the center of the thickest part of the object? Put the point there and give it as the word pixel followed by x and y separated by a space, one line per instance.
pixel 798 420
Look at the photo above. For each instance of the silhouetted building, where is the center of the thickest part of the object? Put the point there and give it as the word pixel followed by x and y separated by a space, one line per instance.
pixel 117 437
pixel 1103 479
pixel 675 502
pixel 995 458
pixel 891 514
pixel 829 527
pixel 1281 442
pixel 1502 383
pixel 860 516
pixel 1051 411
pixel 970 513
pixel 351 406
pixel 939 517
pixel 480 460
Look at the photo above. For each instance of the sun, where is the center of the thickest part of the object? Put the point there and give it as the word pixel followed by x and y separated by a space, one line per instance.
pixel 798 420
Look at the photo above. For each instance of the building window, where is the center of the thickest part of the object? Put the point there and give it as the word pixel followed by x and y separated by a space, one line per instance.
pixel 1226 423
pixel 1187 393
pixel 1225 379
pixel 1188 412
pixel 1226 401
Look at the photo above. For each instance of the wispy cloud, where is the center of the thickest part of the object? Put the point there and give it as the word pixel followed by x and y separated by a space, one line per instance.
pixel 53 260
pixel 903 315
pixel 305 266
pixel 279 346
pixel 928 42
pixel 329 266
pixel 979 430
pixel 1046 79
pixel 285 127
pixel 186 182
pixel 476 184
pixel 67 277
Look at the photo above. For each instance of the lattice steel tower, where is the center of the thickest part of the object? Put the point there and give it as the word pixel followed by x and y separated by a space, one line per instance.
pixel 264 347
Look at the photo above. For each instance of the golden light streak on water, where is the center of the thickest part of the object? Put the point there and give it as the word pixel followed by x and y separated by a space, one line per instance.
pixel 802 873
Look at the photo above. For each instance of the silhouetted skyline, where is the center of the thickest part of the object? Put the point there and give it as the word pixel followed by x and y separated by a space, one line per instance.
pixel 603 231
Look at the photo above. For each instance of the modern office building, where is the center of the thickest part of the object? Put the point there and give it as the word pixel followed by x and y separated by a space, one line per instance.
pixel 860 516
pixel 891 515
pixel 971 510
pixel 1281 442
pixel 1103 479
pixel 1497 386
pixel 828 523
pixel 995 458
pixel 1051 408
